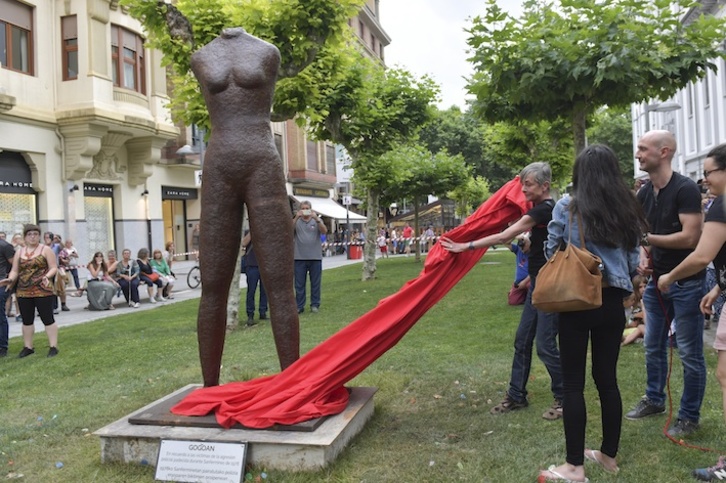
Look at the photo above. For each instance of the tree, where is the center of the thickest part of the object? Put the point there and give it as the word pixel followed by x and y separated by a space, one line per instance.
pixel 469 195
pixel 613 127
pixel 310 35
pixel 516 144
pixel 369 112
pixel 427 174
pixel 565 59
pixel 463 133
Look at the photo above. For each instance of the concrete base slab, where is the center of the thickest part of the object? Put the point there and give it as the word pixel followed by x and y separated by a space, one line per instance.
pixel 124 442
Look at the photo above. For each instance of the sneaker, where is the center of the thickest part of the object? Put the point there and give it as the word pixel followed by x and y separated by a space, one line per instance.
pixel 160 298
pixel 554 412
pixel 25 352
pixel 643 409
pixel 263 316
pixel 131 304
pixel 682 427
pixel 65 308
pixel 55 311
pixel 136 305
pixel 315 310
pixel 251 322
pixel 3 352
pixel 18 318
pixel 52 352
pixel 712 473
pixel 507 405
pixel 152 300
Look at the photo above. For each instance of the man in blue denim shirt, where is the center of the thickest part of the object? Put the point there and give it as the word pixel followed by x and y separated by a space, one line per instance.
pixel 672 204
pixel 534 324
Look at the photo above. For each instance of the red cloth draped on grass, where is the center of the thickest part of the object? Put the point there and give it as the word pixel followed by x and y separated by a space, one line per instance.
pixel 313 386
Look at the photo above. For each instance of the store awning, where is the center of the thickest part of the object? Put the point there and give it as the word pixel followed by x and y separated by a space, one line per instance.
pixel 331 209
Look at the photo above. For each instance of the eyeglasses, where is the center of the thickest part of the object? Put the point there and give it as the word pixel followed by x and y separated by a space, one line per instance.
pixel 708 172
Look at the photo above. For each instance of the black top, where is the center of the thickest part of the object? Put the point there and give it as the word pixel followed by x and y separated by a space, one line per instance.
pixel 680 196
pixel 7 253
pixel 251 258
pixel 541 214
pixel 716 213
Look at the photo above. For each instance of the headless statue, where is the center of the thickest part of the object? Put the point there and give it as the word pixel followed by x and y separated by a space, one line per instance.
pixel 237 73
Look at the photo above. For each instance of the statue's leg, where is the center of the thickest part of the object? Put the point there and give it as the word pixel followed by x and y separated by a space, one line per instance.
pixel 219 241
pixel 272 236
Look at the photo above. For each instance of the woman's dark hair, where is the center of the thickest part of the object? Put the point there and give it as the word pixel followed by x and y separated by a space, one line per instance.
pixel 103 265
pixel 30 227
pixel 719 155
pixel 611 214
pixel 143 253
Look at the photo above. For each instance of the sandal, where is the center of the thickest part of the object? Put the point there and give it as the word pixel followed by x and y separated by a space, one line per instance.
pixel 554 412
pixel 596 456
pixel 555 476
pixel 507 405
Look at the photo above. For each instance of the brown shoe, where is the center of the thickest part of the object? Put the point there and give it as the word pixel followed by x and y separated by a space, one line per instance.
pixel 554 412
pixel 507 405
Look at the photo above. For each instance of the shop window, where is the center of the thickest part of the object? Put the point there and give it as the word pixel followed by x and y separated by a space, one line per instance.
pixel 99 223
pixel 127 54
pixel 16 210
pixel 16 36
pixel 69 32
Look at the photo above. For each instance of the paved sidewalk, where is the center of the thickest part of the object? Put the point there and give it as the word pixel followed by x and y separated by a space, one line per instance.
pixel 78 315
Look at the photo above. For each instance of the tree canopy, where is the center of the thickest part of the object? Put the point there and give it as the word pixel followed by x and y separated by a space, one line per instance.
pixel 564 59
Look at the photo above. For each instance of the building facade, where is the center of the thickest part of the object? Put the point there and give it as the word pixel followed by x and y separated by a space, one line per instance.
pixel 82 125
pixel 696 115
pixel 88 148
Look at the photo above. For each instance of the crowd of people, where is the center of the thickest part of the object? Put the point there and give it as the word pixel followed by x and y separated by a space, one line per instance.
pixel 35 273
pixel 655 243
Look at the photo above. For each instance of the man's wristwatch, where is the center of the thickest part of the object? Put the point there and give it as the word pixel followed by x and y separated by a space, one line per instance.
pixel 471 245
pixel 644 240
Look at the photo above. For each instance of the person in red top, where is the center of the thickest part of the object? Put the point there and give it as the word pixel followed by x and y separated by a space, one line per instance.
pixel 407 234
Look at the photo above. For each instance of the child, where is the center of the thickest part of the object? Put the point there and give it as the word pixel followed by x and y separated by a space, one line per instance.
pixel 382 244
pixel 635 327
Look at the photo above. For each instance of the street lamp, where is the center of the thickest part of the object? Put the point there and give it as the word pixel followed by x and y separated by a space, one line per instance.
pixel 393 209
pixel 669 106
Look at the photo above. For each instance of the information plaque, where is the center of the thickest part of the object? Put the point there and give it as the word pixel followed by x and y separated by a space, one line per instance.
pixel 201 461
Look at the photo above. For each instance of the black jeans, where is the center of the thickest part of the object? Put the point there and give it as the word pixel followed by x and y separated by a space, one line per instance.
pixel 604 327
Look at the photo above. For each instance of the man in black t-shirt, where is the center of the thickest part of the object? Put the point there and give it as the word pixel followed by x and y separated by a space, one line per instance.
pixel 672 204
pixel 534 324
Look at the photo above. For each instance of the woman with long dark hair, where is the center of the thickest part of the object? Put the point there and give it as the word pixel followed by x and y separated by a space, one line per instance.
pixel 101 287
pixel 606 211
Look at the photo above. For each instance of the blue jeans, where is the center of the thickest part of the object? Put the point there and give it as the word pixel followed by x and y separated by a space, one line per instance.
pixel 315 269
pixel 253 278
pixel 541 326
pixel 4 330
pixel 680 303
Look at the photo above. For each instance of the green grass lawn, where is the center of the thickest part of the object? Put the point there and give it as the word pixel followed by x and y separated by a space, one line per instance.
pixel 431 422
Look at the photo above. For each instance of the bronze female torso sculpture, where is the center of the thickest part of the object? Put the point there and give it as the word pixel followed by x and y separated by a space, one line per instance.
pixel 237 73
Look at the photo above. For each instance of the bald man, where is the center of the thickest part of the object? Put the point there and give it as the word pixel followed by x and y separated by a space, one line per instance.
pixel 672 204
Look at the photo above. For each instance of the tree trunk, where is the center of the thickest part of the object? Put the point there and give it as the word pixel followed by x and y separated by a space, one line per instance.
pixel 579 125
pixel 369 249
pixel 234 295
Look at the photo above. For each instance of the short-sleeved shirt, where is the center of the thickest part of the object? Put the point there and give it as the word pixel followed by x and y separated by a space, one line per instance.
pixel 717 214
pixel 680 196
pixel 541 214
pixel 307 240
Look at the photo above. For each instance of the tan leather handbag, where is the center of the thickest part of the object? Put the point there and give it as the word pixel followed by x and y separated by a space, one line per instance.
pixel 570 280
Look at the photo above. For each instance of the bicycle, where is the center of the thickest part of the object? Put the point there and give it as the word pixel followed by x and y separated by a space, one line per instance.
pixel 194 277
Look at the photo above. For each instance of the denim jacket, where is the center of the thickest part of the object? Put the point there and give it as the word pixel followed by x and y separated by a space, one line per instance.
pixel 619 265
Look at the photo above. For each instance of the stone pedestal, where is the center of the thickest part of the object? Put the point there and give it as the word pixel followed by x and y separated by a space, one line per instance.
pixel 286 449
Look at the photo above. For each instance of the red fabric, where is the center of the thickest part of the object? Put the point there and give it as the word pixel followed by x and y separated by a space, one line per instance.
pixel 313 386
